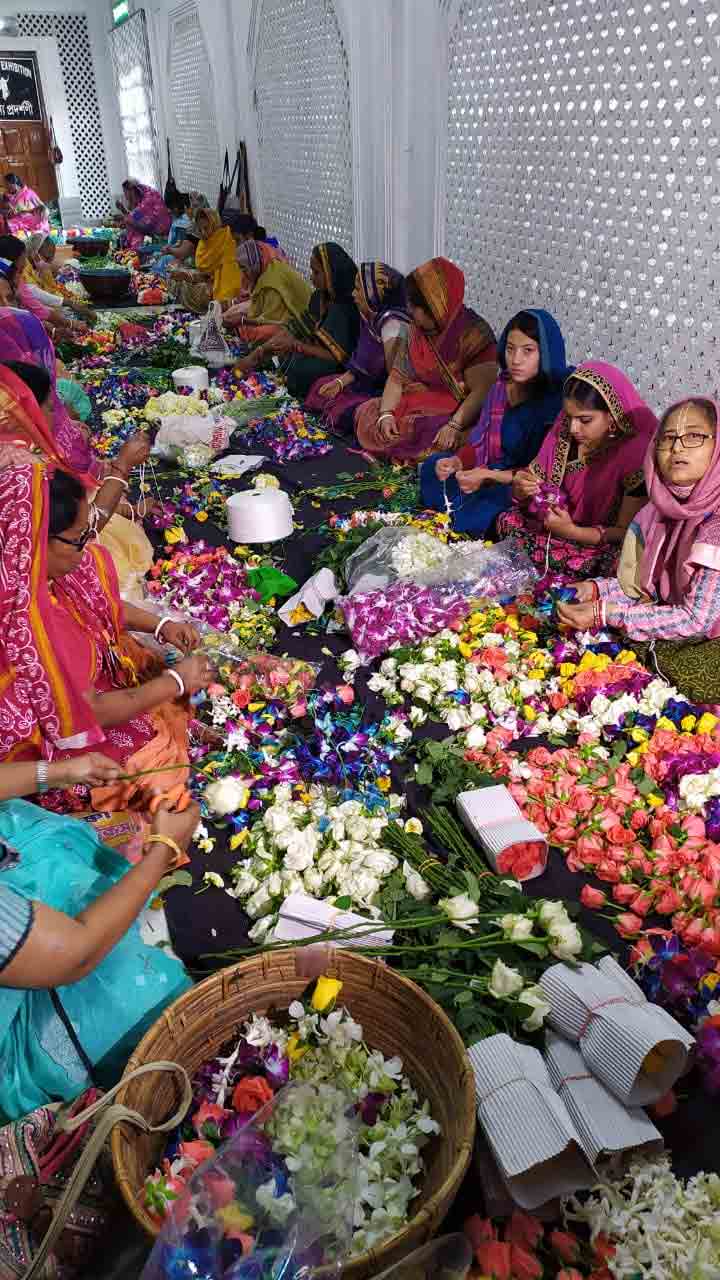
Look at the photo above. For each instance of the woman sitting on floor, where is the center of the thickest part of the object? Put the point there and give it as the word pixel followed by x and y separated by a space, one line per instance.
pixel 71 953
pixel 320 342
pixel 38 272
pixel 215 257
pixel 144 213
pixel 379 296
pixel 440 377
pixel 276 293
pixel 574 503
pixel 667 590
pixel 76 680
pixel 245 228
pixel 22 207
pixel 16 292
pixel 179 248
pixel 474 481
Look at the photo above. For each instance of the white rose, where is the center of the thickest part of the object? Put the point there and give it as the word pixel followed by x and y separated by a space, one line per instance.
pixel 551 911
pixel 457 719
pixel 388 666
pixel 313 881
pixel 259 903
pixel 362 886
pixel 516 927
pixel 225 796
pixel 537 1000
pixel 274 884
pixel 424 692
pixel 565 941
pixel 417 716
pixel 380 862
pixel 475 737
pixel 260 929
pixel 277 818
pixel 245 883
pixel 301 850
pixel 504 981
pixel 460 910
pixel 414 883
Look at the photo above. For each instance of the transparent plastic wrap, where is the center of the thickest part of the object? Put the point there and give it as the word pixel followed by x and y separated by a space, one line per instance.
pixel 448 1258
pixel 256 1212
pixel 194 439
pixel 209 343
pixel 411 555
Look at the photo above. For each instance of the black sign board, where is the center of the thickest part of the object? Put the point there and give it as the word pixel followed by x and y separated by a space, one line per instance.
pixel 20 98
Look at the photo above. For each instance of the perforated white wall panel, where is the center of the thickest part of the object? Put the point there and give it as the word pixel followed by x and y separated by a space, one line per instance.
pixel 302 96
pixel 133 86
pixel 583 174
pixel 196 152
pixel 76 62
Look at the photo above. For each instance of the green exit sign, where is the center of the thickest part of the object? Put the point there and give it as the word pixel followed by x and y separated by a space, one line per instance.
pixel 120 12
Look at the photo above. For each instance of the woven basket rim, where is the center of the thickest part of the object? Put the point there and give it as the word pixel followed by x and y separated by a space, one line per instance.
pixel 369 1261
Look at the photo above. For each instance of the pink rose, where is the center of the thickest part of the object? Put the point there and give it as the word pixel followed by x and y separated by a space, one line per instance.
pixel 592 898
pixel 628 924
pixel 624 894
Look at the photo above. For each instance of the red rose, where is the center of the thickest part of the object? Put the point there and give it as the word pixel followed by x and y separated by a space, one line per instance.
pixel 592 898
pixel 251 1094
pixel 525 1265
pixel 628 924
pixel 495 1259
pixel 624 894
pixel 565 1245
pixel 523 1229
pixel 479 1230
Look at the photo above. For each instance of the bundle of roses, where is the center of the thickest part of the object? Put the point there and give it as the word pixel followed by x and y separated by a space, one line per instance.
pixel 524 1248
pixel 322 845
pixel 615 825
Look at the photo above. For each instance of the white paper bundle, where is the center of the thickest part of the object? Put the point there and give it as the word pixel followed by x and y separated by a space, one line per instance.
pixel 497 822
pixel 530 1133
pixel 625 1041
pixel 605 1126
pixel 612 970
pixel 304 917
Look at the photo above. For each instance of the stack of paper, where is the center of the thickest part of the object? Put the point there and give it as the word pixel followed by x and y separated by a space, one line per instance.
pixel 304 917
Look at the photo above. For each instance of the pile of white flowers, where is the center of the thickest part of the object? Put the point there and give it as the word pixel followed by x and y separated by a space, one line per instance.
pixel 170 402
pixel 419 553
pixel 317 846
pixel 389 1163
pixel 662 1228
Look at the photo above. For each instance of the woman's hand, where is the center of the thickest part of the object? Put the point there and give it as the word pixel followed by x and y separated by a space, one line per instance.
pixel 195 672
pixel 446 467
pixel 234 315
pixel 470 481
pixel 331 389
pixel 524 486
pixel 558 523
pixel 178 827
pixel 388 429
pixel 280 342
pixel 581 617
pixel 91 770
pixel 182 635
pixel 135 451
pixel 447 437
pixel 584 592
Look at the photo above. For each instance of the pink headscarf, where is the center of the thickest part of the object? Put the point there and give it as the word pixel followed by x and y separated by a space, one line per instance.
pixel 670 523
pixel 41 710
pixel 593 491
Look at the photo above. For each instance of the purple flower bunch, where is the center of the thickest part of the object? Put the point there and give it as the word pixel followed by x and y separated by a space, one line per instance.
pixel 401 613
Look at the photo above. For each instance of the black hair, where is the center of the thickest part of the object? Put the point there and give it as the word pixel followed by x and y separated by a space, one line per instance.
pixel 587 396
pixel 34 377
pixel 178 202
pixel 12 249
pixel 527 323
pixel 66 494
pixel 14 177
pixel 706 408
pixel 243 224
pixel 414 295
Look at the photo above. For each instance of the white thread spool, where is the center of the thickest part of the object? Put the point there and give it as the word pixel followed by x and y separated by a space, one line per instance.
pixel 195 376
pixel 259 515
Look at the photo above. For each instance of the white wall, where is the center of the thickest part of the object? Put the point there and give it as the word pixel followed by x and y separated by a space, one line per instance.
pixel 97 13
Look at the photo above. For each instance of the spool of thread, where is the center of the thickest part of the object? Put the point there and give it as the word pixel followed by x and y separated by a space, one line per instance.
pixel 195 376
pixel 259 515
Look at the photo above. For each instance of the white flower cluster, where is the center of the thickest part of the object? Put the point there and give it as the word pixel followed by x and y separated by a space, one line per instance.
pixel 419 553
pixel 389 1163
pixel 169 402
pixel 507 983
pixel 548 921
pixel 660 1226
pixel 697 788
pixel 320 847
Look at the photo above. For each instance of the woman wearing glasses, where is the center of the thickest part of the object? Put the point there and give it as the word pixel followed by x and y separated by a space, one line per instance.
pixel 77 680
pixel 667 589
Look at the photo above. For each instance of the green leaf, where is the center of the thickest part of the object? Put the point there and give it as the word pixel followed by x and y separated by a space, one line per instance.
pixel 169 882
pixel 344 904
pixel 646 786
pixel 536 948
pixel 473 885
pixel 424 774
pixel 463 997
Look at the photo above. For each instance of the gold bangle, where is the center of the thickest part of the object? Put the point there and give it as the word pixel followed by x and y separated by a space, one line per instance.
pixel 171 844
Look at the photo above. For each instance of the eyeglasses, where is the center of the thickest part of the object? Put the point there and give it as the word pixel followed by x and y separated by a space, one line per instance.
pixel 691 440
pixel 79 543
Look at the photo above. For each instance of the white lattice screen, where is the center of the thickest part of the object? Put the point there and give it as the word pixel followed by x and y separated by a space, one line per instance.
pixel 196 152
pixel 76 63
pixel 302 97
pixel 583 174
pixel 133 86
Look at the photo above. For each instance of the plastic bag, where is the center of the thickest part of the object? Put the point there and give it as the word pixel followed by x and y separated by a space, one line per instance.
pixel 411 555
pixel 210 342
pixel 251 1212
pixel 193 437
pixel 448 1258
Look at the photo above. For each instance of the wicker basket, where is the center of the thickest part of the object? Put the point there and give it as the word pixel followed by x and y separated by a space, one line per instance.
pixel 397 1018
